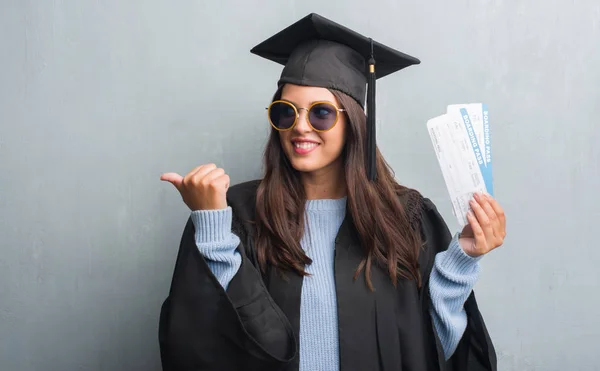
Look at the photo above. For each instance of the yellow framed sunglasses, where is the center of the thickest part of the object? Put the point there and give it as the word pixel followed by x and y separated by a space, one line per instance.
pixel 322 116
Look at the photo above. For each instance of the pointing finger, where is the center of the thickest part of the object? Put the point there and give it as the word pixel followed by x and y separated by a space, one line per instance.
pixel 173 178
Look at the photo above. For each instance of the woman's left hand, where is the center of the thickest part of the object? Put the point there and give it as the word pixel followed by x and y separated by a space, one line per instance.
pixel 487 226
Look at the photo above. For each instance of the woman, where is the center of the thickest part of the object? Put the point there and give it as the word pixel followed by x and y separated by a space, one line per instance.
pixel 326 263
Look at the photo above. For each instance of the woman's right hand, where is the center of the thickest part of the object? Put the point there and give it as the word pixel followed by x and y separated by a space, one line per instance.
pixel 204 188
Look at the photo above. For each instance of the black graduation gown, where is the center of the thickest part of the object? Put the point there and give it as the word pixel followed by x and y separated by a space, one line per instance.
pixel 255 324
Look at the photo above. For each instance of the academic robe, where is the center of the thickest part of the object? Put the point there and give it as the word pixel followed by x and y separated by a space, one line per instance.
pixel 254 325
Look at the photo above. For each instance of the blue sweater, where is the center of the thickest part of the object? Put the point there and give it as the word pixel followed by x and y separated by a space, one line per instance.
pixel 452 278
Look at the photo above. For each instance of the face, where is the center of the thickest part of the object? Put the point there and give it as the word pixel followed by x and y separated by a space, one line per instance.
pixel 310 151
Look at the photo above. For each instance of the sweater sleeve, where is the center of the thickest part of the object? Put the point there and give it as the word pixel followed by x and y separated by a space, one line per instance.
pixel 217 243
pixel 452 279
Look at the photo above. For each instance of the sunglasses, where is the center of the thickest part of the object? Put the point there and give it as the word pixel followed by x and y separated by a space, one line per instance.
pixel 322 116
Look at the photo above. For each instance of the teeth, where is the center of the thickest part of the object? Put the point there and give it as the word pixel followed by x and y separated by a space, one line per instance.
pixel 305 145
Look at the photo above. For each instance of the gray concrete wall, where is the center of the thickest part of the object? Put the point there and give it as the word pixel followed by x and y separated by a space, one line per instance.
pixel 98 98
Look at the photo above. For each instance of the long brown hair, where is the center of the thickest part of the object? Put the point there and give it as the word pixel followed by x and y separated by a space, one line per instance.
pixel 385 232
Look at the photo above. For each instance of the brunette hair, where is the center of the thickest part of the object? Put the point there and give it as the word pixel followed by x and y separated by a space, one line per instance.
pixel 385 230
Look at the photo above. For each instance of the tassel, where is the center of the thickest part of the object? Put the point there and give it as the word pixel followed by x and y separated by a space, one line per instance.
pixel 371 134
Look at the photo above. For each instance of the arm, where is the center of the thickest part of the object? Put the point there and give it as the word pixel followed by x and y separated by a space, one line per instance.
pixel 217 244
pixel 475 349
pixel 203 326
pixel 452 279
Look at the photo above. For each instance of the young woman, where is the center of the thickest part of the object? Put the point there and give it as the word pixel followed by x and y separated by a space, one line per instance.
pixel 326 263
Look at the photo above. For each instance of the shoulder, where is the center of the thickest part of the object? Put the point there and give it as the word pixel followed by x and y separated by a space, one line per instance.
pixel 241 198
pixel 242 192
pixel 424 216
pixel 418 208
pixel 413 200
pixel 426 220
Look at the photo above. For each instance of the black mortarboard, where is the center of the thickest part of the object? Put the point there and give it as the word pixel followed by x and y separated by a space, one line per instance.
pixel 319 52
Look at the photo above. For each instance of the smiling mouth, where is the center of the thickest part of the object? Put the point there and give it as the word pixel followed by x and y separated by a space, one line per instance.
pixel 305 145
pixel 304 148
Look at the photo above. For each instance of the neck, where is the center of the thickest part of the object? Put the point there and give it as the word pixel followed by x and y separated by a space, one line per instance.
pixel 329 182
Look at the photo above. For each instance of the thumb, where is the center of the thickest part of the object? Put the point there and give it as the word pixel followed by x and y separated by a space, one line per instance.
pixel 173 178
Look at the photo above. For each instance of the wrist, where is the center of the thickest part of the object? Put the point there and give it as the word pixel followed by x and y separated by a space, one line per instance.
pixel 464 246
pixel 212 225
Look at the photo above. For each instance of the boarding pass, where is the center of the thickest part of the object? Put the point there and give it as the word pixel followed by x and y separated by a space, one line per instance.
pixel 461 140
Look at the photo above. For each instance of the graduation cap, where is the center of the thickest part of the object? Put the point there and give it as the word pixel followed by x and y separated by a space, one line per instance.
pixel 319 52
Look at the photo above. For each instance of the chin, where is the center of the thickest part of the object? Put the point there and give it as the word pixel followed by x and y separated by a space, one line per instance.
pixel 305 165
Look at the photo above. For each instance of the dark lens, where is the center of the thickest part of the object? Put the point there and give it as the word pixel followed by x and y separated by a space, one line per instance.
pixel 322 116
pixel 282 115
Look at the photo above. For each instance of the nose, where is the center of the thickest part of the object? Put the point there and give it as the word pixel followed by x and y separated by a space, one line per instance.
pixel 302 126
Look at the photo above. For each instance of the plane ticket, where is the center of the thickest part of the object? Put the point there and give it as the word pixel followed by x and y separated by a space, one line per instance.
pixel 462 144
